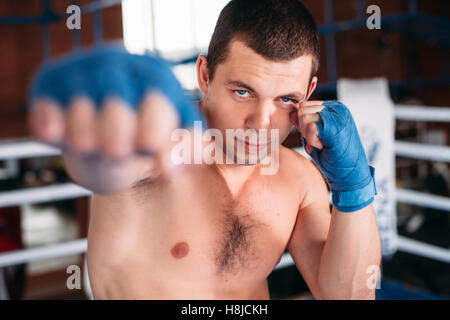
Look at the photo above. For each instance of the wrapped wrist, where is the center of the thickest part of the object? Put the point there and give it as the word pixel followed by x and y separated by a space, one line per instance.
pixel 353 200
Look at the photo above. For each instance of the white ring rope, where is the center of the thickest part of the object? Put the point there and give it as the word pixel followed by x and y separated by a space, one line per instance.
pixel 423 249
pixel 44 252
pixel 404 244
pixel 42 194
pixel 423 199
pixel 419 113
pixel 286 261
pixel 21 149
pixel 422 151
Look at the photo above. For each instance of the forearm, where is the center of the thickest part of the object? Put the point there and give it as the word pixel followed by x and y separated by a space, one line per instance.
pixel 353 244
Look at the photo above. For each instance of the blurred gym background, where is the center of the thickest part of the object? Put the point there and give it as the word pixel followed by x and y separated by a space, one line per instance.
pixel 44 218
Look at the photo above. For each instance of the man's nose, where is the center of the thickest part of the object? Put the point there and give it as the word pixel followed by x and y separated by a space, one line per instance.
pixel 260 116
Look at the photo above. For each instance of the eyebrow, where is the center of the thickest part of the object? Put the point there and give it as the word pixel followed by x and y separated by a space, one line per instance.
pixel 293 95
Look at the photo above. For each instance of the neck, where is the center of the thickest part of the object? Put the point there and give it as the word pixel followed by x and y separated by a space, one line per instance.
pixel 235 176
pixel 237 169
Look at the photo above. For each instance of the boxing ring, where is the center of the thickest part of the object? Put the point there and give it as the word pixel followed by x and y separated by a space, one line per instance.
pixel 11 151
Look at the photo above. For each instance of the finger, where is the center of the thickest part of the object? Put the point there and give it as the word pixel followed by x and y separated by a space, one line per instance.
pixel 309 109
pixel 81 126
pixel 311 103
pixel 304 115
pixel 305 120
pixel 156 121
pixel 312 135
pixel 46 121
pixel 308 148
pixel 116 129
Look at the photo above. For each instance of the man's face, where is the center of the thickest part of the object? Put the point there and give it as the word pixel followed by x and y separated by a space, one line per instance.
pixel 251 92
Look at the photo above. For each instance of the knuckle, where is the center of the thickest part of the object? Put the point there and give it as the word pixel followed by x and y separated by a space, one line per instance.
pixel 311 128
pixel 49 124
pixel 115 106
pixel 304 120
pixel 117 129
pixel 80 119
pixel 157 119
pixel 304 117
pixel 81 106
pixel 117 117
pixel 145 141
pixel 157 109
pixel 311 137
pixel 51 133
pixel 81 143
pixel 81 124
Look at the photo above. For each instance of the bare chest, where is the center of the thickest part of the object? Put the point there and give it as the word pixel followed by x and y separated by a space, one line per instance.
pixel 193 234
pixel 213 235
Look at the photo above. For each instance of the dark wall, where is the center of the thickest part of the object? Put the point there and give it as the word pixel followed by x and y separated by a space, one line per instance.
pixel 21 53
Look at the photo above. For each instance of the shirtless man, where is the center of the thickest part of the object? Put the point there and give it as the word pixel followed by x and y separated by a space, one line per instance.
pixel 215 231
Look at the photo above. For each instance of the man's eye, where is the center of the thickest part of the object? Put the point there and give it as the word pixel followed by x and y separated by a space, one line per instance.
pixel 288 100
pixel 242 93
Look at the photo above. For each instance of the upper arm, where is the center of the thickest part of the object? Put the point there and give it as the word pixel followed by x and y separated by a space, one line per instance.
pixel 311 228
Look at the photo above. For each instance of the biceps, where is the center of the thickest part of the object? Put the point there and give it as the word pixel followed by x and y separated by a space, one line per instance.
pixel 307 242
pixel 307 263
pixel 311 228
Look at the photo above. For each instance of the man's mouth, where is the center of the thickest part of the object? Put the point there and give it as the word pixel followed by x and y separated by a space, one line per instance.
pixel 256 145
pixel 250 147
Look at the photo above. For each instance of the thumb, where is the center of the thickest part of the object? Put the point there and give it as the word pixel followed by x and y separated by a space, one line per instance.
pixel 307 146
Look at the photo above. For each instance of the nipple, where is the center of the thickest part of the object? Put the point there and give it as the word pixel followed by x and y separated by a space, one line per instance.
pixel 180 250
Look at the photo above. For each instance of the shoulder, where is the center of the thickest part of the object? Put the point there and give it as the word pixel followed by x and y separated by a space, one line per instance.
pixel 295 164
pixel 305 176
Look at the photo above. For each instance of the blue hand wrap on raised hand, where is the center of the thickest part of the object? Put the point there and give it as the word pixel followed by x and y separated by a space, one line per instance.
pixel 110 71
pixel 342 160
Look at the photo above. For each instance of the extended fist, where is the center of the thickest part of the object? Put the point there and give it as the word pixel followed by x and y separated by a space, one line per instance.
pixel 110 101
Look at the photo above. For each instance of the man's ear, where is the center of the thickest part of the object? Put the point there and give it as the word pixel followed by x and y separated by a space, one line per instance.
pixel 312 87
pixel 202 74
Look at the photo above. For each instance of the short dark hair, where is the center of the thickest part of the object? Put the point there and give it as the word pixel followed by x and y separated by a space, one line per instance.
pixel 279 30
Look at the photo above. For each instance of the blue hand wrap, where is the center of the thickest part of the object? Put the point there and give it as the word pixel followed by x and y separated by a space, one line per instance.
pixel 342 160
pixel 110 71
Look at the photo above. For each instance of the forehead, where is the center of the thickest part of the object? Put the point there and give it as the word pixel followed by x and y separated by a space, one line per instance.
pixel 246 65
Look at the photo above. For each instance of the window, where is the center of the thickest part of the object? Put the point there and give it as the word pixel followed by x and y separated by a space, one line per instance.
pixel 175 29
